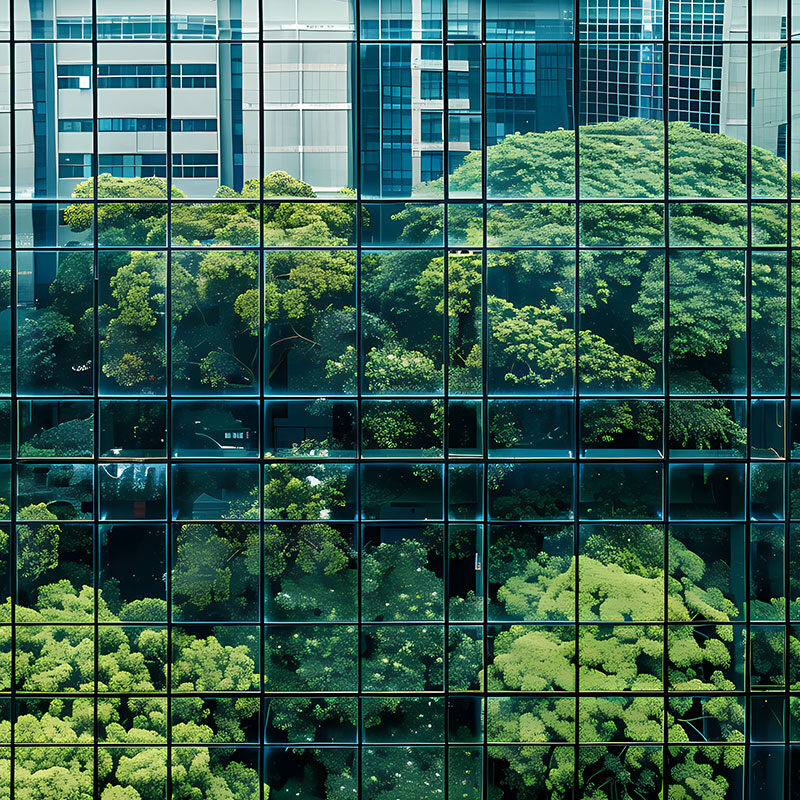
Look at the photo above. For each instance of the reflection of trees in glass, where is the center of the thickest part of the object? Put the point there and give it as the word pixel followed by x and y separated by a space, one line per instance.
pixel 310 551
pixel 55 337
pixel 309 294
pixel 73 438
pixel 215 295
pixel 132 341
pixel 66 489
pixel 38 544
pixel 531 293
pixel 215 317
pixel 310 318
pixel 215 572
pixel 620 582
pixel 5 352
pixel 54 658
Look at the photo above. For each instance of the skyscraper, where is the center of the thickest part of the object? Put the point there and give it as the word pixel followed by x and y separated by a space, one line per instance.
pixel 313 94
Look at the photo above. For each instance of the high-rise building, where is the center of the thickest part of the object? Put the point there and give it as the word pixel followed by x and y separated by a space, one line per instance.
pixel 316 92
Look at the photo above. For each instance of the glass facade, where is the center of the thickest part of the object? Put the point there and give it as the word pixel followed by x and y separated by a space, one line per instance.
pixel 399 400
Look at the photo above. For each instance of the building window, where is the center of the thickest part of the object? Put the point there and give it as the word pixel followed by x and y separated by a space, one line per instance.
pixel 352 451
pixel 144 124
pixel 131 76
pixel 142 26
pixel 194 165
pixel 138 124
pixel 780 148
pixel 133 165
pixel 190 125
pixel 431 52
pixel 430 85
pixel 194 76
pixel 152 76
pixel 74 165
pixel 74 125
pixel 74 76
pixel 431 165
pixel 431 127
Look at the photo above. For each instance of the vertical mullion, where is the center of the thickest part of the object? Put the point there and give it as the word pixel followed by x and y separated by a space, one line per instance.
pixel 168 382
pixel 356 123
pixel 12 500
pixel 95 160
pixel 484 415
pixel 748 289
pixel 665 425
pixel 446 397
pixel 787 414
pixel 576 417
pixel 262 378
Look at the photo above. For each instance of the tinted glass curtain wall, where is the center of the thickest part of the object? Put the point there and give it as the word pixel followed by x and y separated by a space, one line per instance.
pixel 398 400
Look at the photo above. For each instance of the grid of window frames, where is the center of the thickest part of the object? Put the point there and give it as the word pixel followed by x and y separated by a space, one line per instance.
pixel 407 408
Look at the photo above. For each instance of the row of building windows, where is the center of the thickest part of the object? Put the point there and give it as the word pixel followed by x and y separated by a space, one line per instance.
pixel 139 165
pixel 137 76
pixel 398 20
pixel 133 26
pixel 138 125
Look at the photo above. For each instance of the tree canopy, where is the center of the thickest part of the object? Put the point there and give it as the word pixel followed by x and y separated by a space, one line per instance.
pixel 520 315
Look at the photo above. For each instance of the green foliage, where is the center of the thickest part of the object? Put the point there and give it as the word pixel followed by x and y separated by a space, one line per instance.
pixel 54 658
pixel 705 424
pixel 612 658
pixel 133 347
pixel 38 544
pixel 43 337
pixel 73 438
pixel 202 289
pixel 309 566
pixel 532 341
pixel 215 298
pixel 612 422
pixel 214 569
